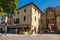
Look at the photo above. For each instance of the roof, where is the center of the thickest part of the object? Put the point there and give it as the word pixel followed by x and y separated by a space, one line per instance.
pixel 57 6
pixel 29 4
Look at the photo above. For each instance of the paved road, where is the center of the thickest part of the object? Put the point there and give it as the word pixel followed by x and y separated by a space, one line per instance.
pixel 31 37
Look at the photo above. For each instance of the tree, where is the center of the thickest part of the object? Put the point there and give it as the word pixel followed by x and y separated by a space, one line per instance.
pixel 8 6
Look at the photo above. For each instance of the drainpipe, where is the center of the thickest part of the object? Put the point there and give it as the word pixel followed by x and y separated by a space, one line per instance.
pixel 46 22
pixel 55 20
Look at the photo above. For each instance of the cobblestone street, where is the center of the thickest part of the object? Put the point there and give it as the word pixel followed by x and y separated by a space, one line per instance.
pixel 31 37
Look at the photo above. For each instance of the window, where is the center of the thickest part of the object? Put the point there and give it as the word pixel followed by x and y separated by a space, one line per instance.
pixel 24 10
pixel 18 13
pixel 38 12
pixel 24 18
pixel 35 18
pixel 17 20
pixel 35 9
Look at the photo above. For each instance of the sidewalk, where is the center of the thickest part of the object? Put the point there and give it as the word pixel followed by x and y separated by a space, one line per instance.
pixel 10 35
pixel 18 35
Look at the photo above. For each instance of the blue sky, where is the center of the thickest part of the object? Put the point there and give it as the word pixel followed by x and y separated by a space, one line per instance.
pixel 42 4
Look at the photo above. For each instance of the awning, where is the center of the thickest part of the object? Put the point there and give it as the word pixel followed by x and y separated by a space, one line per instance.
pixel 16 26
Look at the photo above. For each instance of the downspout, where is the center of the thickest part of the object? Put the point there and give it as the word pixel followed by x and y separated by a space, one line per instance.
pixel 55 21
pixel 46 22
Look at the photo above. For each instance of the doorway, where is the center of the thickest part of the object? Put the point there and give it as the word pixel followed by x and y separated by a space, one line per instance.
pixel 50 26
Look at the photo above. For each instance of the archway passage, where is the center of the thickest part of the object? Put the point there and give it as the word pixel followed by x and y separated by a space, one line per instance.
pixel 50 26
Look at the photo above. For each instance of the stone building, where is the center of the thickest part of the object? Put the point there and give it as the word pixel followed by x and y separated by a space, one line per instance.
pixel 50 19
pixel 57 11
pixel 28 15
pixel 30 18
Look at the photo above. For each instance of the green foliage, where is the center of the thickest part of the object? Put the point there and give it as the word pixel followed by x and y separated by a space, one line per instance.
pixel 1 9
pixel 8 6
pixel 1 13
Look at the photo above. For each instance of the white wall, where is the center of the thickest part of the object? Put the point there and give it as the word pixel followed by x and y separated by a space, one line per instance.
pixel 35 14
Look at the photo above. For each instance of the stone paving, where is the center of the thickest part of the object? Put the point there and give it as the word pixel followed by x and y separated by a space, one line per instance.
pixel 30 37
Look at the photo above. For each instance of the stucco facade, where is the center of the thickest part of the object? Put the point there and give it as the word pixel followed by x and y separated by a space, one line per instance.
pixel 36 13
pixel 29 14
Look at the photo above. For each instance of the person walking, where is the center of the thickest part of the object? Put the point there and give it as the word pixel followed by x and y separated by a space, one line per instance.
pixel 5 29
pixel 5 25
